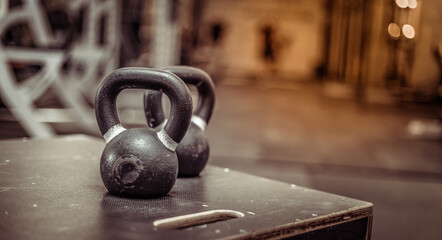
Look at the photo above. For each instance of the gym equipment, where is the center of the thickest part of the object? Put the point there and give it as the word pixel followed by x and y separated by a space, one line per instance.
pixel 141 162
pixel 58 194
pixel 193 151
pixel 69 60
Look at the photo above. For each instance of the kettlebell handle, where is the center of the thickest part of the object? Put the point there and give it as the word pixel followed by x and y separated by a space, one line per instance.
pixel 143 78
pixel 190 75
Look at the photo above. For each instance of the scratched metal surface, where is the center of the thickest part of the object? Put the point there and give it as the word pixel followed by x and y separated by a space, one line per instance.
pixel 51 189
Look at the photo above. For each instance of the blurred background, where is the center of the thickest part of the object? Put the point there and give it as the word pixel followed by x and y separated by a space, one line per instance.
pixel 342 96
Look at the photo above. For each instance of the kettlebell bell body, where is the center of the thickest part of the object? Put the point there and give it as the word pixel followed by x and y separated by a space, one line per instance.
pixel 193 151
pixel 141 162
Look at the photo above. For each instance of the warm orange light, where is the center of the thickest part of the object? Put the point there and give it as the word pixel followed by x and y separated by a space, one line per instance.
pixel 394 30
pixel 408 31
pixel 402 3
pixel 412 3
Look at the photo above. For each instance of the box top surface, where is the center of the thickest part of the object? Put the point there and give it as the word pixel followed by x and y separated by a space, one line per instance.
pixel 52 188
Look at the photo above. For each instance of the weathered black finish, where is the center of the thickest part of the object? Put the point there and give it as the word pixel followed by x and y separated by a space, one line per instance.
pixel 51 189
pixel 144 78
pixel 193 151
pixel 135 162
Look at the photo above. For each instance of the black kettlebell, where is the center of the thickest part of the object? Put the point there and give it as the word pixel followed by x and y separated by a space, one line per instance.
pixel 193 151
pixel 141 162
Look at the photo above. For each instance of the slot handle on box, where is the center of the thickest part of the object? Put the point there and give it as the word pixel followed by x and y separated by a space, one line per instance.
pixel 196 219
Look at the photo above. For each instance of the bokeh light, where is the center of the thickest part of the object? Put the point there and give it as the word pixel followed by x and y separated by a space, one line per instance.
pixel 412 4
pixel 408 31
pixel 394 30
pixel 402 3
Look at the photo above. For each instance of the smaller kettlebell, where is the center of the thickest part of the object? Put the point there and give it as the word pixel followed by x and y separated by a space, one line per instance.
pixel 193 151
pixel 141 162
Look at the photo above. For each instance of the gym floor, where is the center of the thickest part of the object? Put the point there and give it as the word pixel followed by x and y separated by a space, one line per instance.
pixel 298 134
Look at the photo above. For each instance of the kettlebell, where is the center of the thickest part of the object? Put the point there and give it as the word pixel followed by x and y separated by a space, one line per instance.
pixel 140 162
pixel 193 151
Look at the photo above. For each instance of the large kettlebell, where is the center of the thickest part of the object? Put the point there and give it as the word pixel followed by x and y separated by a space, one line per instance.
pixel 193 151
pixel 141 162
